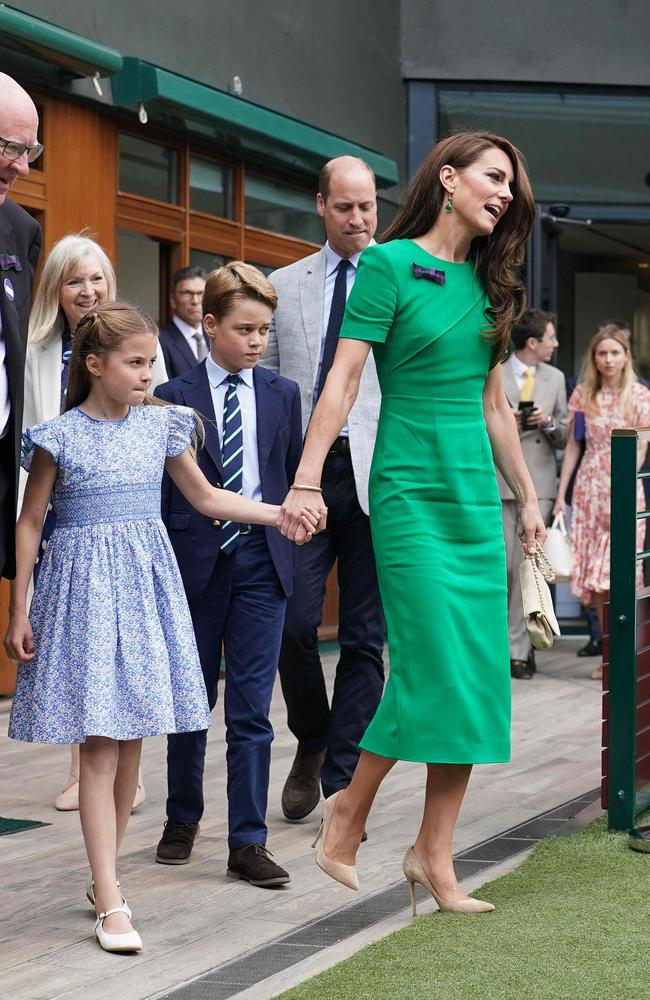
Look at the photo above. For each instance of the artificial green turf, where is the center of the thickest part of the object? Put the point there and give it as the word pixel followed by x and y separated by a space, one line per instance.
pixel 571 923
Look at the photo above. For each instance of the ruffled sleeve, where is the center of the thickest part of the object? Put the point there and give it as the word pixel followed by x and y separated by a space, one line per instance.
pixel 641 405
pixel 47 436
pixel 181 427
pixel 577 399
pixel 372 303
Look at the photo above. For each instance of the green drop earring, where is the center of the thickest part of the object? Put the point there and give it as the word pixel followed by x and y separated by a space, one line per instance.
pixel 449 207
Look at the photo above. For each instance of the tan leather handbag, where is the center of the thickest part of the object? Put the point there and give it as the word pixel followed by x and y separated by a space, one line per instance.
pixel 535 574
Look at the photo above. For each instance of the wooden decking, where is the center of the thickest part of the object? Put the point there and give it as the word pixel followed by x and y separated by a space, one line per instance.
pixel 192 917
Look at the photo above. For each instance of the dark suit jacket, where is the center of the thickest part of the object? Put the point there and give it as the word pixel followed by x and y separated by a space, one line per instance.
pixel 194 537
pixel 20 236
pixel 178 355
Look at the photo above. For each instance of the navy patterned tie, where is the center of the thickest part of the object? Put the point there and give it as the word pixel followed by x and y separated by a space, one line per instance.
pixel 337 309
pixel 232 451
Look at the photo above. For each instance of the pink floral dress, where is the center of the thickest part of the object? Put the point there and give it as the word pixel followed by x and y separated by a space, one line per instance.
pixel 590 519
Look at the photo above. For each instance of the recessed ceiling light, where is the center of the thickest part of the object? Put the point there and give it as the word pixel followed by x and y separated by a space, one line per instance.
pixel 644 264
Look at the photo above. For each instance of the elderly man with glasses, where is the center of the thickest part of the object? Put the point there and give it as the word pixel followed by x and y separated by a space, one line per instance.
pixel 20 244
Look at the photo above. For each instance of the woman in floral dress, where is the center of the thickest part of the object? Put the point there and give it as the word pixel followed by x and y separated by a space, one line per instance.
pixel 610 397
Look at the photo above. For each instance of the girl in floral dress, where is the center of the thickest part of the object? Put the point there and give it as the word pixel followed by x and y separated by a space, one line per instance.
pixel 107 655
pixel 609 397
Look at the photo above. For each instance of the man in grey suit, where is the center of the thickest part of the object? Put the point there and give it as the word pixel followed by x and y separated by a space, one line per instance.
pixel 528 379
pixel 311 302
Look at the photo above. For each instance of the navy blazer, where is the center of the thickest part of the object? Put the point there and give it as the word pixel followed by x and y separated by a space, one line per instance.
pixel 194 537
pixel 20 238
pixel 179 356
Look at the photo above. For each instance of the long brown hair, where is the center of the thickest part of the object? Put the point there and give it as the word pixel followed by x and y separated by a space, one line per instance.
pixel 498 257
pixel 593 378
pixel 100 332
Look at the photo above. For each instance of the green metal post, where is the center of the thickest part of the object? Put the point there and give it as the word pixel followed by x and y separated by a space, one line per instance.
pixel 622 642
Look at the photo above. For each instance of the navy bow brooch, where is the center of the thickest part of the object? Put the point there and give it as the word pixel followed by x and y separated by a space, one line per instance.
pixel 430 273
pixel 10 262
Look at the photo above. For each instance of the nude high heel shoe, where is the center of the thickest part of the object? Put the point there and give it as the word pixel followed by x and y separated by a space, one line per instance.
pixel 414 872
pixel 345 874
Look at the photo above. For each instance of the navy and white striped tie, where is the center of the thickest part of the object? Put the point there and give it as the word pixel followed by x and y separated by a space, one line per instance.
pixel 232 452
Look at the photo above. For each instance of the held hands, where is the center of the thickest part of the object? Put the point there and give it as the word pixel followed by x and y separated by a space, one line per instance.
pixel 303 512
pixel 533 530
pixel 19 641
pixel 308 525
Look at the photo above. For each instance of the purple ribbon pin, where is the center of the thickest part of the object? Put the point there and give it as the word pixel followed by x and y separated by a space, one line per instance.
pixel 10 262
pixel 430 273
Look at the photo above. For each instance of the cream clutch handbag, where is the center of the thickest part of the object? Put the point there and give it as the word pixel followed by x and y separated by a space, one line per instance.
pixel 535 574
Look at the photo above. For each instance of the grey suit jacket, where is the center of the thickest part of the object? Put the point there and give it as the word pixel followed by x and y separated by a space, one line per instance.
pixel 294 351
pixel 538 445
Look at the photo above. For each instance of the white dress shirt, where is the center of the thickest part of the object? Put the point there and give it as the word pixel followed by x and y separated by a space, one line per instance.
pixel 332 261
pixel 218 379
pixel 189 332
pixel 519 368
pixel 5 402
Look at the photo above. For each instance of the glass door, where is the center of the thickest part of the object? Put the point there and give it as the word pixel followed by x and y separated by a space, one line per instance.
pixel 589 264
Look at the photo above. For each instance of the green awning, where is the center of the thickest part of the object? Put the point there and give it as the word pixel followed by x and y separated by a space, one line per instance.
pixel 69 51
pixel 239 125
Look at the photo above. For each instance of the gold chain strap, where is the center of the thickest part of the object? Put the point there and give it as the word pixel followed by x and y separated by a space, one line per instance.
pixel 542 566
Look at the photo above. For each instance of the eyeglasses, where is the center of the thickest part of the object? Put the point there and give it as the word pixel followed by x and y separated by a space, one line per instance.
pixel 11 150
pixel 189 295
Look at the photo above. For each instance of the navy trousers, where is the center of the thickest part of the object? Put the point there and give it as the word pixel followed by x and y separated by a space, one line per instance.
pixel 243 607
pixel 359 683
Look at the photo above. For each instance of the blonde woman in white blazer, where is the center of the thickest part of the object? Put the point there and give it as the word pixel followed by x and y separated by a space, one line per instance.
pixel 77 277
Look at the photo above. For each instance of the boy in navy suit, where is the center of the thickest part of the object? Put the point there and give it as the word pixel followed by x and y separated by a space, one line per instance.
pixel 237 577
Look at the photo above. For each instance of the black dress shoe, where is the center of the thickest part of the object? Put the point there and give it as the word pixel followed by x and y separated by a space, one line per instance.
pixel 593 648
pixel 176 843
pixel 253 864
pixel 531 661
pixel 301 792
pixel 521 670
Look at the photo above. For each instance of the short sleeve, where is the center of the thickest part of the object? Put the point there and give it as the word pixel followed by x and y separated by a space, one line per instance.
pixel 641 406
pixel 181 428
pixel 577 398
pixel 47 436
pixel 372 303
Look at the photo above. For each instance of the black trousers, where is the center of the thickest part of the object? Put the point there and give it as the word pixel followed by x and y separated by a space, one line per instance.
pixel 358 687
pixel 7 509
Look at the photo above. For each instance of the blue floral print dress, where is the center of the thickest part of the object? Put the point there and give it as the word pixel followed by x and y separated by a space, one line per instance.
pixel 115 648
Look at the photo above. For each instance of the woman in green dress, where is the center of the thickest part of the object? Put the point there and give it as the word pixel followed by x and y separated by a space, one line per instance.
pixel 435 301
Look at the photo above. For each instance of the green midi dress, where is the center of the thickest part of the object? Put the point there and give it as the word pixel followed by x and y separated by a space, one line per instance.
pixel 435 511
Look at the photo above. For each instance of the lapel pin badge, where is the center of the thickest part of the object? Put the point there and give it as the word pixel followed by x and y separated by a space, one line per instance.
pixel 9 289
pixel 10 262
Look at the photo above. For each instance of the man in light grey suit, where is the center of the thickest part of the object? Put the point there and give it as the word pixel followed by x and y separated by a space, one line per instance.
pixel 311 302
pixel 528 378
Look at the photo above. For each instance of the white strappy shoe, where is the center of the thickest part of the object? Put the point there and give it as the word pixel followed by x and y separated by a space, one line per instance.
pixel 129 942
pixel 90 896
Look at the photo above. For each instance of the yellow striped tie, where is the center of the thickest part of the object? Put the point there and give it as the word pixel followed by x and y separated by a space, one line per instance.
pixel 528 386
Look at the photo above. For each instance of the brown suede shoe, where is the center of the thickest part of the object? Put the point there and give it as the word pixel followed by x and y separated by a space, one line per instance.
pixel 301 792
pixel 176 843
pixel 253 864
